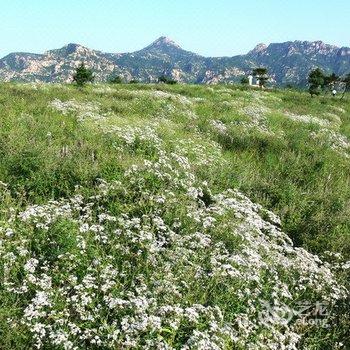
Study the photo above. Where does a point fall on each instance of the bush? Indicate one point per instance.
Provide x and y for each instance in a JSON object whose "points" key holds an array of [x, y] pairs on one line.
{"points": [[115, 79], [166, 80], [244, 81]]}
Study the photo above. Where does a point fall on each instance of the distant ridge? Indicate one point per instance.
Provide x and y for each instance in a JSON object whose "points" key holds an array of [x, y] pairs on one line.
{"points": [[288, 62]]}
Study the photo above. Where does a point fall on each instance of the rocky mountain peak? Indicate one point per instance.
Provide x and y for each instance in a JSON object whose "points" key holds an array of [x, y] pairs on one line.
{"points": [[69, 49], [164, 41], [315, 47], [258, 48]]}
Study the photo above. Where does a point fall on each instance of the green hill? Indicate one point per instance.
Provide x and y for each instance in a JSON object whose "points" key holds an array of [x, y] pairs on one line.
{"points": [[173, 217]]}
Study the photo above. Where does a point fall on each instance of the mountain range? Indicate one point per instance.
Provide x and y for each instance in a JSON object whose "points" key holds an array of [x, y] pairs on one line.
{"points": [[288, 63]]}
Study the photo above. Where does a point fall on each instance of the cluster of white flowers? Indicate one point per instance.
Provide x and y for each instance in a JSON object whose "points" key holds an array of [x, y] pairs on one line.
{"points": [[225, 91], [156, 94], [157, 261], [73, 106], [257, 114], [333, 118], [3, 184], [84, 110], [309, 119], [334, 139], [39, 85], [34, 86], [199, 152], [177, 97], [255, 111], [173, 111], [144, 137], [338, 109], [219, 126], [328, 132]]}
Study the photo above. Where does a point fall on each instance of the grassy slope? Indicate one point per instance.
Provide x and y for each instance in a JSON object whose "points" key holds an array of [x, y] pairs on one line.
{"points": [[282, 149], [301, 179]]}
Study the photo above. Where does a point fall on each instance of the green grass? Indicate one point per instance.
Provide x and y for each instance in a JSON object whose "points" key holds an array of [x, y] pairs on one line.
{"points": [[301, 180], [255, 141]]}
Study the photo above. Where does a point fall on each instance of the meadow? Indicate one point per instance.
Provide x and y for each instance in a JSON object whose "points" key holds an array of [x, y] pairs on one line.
{"points": [[173, 217]]}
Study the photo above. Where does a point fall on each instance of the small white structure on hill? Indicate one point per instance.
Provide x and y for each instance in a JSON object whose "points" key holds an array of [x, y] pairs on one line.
{"points": [[250, 78], [251, 81]]}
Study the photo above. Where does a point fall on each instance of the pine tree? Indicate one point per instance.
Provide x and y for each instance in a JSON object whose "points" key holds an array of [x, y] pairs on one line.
{"points": [[316, 81], [261, 74], [83, 75]]}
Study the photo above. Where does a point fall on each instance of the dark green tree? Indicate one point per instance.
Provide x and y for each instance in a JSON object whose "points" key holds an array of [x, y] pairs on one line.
{"points": [[162, 79], [115, 79], [166, 80], [262, 75], [244, 81], [316, 81], [83, 75], [330, 81], [346, 82]]}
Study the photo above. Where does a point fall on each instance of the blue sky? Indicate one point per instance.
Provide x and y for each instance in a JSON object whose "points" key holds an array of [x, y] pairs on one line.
{"points": [[211, 28]]}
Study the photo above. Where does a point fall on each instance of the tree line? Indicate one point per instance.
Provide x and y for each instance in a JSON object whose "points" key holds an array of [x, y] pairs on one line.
{"points": [[317, 80], [84, 75]]}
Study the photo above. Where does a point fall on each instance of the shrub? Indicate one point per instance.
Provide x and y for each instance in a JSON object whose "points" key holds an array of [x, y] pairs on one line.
{"points": [[244, 81], [166, 80], [115, 79]]}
